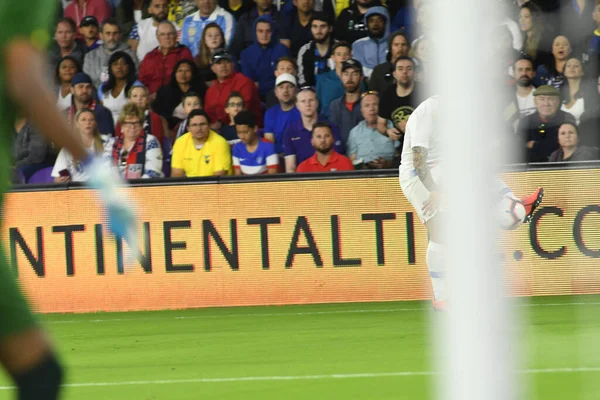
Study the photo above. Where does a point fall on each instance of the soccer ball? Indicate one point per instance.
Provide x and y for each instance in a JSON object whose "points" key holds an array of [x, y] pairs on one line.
{"points": [[512, 213]]}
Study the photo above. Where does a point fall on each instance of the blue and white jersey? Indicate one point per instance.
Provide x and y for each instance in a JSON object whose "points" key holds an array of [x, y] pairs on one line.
{"points": [[193, 26], [258, 162]]}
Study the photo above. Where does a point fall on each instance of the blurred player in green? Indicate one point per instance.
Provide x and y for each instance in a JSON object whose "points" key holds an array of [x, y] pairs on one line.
{"points": [[25, 351]]}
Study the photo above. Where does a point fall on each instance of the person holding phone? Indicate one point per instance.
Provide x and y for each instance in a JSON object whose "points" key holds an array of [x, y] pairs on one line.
{"points": [[66, 168]]}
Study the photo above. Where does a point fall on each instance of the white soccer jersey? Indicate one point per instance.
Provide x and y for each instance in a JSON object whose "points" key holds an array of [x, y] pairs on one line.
{"points": [[421, 131]]}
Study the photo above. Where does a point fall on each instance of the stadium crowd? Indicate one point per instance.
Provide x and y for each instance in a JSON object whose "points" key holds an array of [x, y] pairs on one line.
{"points": [[191, 88]]}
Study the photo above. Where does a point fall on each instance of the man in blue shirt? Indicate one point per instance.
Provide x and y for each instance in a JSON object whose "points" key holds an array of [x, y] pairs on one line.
{"points": [[297, 144], [279, 117]]}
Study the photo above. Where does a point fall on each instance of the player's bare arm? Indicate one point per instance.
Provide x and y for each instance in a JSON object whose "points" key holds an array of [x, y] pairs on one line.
{"points": [[420, 165]]}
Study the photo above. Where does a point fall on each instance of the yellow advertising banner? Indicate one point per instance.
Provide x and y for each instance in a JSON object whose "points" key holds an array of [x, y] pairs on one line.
{"points": [[282, 242]]}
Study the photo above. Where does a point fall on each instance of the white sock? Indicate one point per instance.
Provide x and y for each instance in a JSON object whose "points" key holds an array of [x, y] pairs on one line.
{"points": [[436, 254]]}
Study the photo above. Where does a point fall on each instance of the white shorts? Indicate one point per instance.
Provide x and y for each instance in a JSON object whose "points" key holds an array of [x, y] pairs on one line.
{"points": [[416, 193]]}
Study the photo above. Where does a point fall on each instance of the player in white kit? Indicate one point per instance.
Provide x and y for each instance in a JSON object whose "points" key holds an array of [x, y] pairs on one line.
{"points": [[420, 178]]}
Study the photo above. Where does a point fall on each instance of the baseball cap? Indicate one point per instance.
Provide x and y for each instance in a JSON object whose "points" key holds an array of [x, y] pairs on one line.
{"points": [[546, 90], [286, 78], [81, 77], [89, 20], [221, 55], [352, 63]]}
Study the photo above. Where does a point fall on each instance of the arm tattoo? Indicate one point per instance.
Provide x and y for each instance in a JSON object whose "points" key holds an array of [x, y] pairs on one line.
{"points": [[420, 164]]}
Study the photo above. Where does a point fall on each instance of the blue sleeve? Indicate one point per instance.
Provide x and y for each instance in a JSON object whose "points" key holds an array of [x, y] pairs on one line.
{"points": [[541, 76], [245, 66], [270, 121], [339, 143], [100, 94]]}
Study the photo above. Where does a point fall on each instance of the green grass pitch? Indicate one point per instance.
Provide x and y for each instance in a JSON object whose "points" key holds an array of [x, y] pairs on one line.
{"points": [[336, 351]]}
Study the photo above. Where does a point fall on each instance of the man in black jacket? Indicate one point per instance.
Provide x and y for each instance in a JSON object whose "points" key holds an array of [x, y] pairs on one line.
{"points": [[350, 25], [539, 131]]}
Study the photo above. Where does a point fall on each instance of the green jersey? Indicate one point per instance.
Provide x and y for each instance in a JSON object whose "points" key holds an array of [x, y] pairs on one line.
{"points": [[28, 19]]}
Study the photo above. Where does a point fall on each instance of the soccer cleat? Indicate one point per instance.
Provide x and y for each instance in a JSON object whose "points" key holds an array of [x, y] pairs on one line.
{"points": [[532, 202], [439, 305]]}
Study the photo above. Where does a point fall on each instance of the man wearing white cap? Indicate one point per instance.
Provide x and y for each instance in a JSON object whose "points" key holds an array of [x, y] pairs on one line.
{"points": [[279, 117]]}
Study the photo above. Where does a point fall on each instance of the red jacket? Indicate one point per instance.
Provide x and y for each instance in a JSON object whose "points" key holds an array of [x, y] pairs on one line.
{"points": [[217, 94], [156, 69]]}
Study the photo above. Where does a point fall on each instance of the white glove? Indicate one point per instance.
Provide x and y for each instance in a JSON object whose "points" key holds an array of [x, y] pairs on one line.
{"points": [[121, 218]]}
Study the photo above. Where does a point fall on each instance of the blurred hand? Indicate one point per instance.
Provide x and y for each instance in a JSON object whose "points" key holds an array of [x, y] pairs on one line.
{"points": [[530, 144], [393, 133], [403, 125], [380, 163], [62, 179]]}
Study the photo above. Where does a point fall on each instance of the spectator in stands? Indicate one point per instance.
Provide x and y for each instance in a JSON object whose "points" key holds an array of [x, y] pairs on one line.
{"points": [[237, 8], [285, 65], [65, 71], [66, 169], [79, 9], [419, 52], [324, 158], [228, 80], [32, 151], [297, 145], [96, 61], [89, 29], [154, 124], [281, 116], [134, 154], [313, 57], [180, 9], [589, 124], [130, 12], [570, 149], [382, 76], [552, 72], [258, 61], [535, 37], [157, 67], [244, 30], [201, 151], [65, 43], [524, 74], [193, 25], [329, 84], [593, 49], [398, 102], [577, 94], [121, 77], [366, 144], [345, 111], [371, 51], [185, 78], [143, 37], [190, 101], [350, 25], [252, 155], [82, 89], [539, 131], [212, 41], [296, 27], [577, 23], [235, 104]]}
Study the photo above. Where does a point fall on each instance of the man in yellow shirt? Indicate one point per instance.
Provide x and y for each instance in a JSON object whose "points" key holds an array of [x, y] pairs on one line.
{"points": [[201, 151]]}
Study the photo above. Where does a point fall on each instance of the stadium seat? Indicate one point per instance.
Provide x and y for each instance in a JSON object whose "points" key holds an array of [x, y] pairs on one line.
{"points": [[42, 176]]}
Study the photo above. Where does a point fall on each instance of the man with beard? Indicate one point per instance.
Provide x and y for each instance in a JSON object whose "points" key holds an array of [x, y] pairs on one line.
{"points": [[244, 30], [372, 50], [398, 102], [381, 78], [96, 61], [157, 67], [81, 88], [297, 141], [279, 117], [350, 25], [345, 111], [325, 159], [313, 56], [524, 73], [142, 38]]}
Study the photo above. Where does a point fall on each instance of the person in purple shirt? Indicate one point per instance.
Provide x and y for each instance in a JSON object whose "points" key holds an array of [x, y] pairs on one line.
{"points": [[297, 144]]}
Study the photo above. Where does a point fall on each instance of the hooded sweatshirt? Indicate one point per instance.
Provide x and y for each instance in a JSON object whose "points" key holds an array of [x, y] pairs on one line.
{"points": [[350, 25], [96, 62], [372, 51], [258, 63]]}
